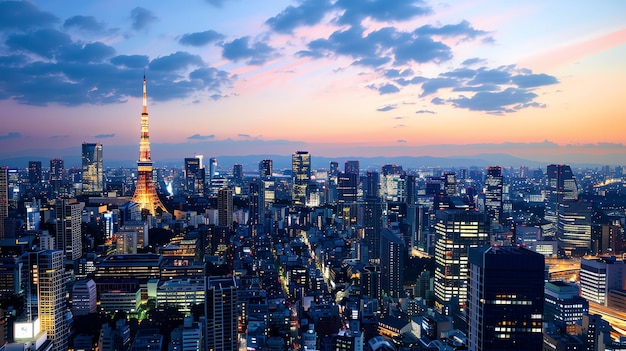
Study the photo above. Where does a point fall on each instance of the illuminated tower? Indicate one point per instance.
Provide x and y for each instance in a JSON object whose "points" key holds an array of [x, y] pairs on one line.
{"points": [[4, 198], [93, 172], [145, 191]]}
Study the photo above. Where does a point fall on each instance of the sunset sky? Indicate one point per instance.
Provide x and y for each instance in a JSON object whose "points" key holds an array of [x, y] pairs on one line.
{"points": [[541, 80]]}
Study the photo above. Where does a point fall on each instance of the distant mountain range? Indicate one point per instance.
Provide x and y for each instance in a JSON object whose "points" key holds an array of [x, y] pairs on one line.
{"points": [[251, 162]]}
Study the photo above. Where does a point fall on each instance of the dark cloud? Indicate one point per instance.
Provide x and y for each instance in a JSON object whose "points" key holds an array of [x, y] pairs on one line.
{"points": [[509, 100], [44, 42], [308, 13], [388, 89], [425, 112], [243, 135], [401, 141], [141, 18], [463, 29], [201, 38], [397, 73], [473, 61], [201, 137], [11, 135], [255, 53], [105, 136], [91, 52], [386, 108], [131, 61], [24, 16], [84, 23], [354, 11], [211, 78], [177, 61], [533, 80], [422, 50], [433, 85]]}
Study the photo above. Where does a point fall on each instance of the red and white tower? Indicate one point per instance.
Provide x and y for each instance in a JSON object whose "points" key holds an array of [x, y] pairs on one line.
{"points": [[145, 191]]}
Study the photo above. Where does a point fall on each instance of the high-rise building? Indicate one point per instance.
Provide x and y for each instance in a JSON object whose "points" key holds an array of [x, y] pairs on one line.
{"points": [[456, 231], [352, 167], [347, 187], [145, 190], [300, 176], [563, 303], [266, 168], [56, 176], [493, 193], [194, 177], [256, 201], [372, 225], [561, 186], [34, 178], [237, 173], [44, 274], [84, 299], [372, 183], [68, 228], [212, 169], [505, 299], [449, 183], [221, 314], [4, 198], [573, 231], [392, 253], [598, 276], [225, 207], [93, 171]]}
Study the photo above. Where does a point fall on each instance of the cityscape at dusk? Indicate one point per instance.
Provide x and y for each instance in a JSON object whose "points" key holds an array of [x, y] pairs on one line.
{"points": [[537, 80], [312, 175]]}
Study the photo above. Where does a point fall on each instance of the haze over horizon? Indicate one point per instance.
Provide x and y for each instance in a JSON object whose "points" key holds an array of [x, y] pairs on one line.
{"points": [[335, 78]]}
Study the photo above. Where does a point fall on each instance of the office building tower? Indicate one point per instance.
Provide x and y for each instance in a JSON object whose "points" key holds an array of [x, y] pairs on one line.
{"points": [[145, 190], [563, 304], [300, 177], [456, 231], [372, 183], [33, 213], [266, 168], [505, 299], [333, 170], [598, 276], [352, 167], [225, 207], [372, 225], [596, 331], [449, 183], [256, 201], [44, 275], [561, 186], [237, 173], [347, 187], [221, 314], [194, 177], [4, 198], [68, 228], [493, 193], [34, 173], [212, 169], [56, 176], [410, 191], [573, 231], [392, 257], [92, 171], [84, 299]]}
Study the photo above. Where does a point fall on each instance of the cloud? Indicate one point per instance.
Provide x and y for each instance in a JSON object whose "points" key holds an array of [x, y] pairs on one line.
{"points": [[24, 16], [399, 117], [44, 42], [216, 3], [387, 108], [201, 38], [104, 136], [509, 100], [401, 141], [84, 23], [179, 60], [473, 61], [308, 13], [201, 137], [255, 53], [131, 61], [141, 18], [533, 80], [11, 135], [243, 135], [90, 52], [388, 89], [463, 29], [354, 11], [425, 112]]}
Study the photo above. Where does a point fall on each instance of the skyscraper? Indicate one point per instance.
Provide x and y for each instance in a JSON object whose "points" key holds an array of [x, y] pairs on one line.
{"points": [[4, 198], [225, 207], [456, 231], [573, 230], [266, 168], [300, 175], [352, 167], [392, 252], [505, 299], [221, 314], [68, 228], [93, 173], [561, 186], [237, 173], [34, 178], [145, 190], [57, 176], [194, 177], [493, 193], [256, 201]]}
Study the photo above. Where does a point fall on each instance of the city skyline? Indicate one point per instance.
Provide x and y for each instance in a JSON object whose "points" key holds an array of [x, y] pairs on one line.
{"points": [[335, 78]]}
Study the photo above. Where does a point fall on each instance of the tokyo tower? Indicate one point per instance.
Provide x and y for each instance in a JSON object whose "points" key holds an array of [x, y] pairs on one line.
{"points": [[145, 191]]}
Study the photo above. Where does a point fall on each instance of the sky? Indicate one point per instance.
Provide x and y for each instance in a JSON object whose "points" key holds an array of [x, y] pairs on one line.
{"points": [[541, 80]]}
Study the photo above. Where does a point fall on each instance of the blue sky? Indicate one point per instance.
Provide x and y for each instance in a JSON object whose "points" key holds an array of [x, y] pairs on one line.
{"points": [[347, 77]]}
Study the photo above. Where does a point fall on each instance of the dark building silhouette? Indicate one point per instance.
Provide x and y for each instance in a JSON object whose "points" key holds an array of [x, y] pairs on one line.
{"points": [[493, 193]]}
